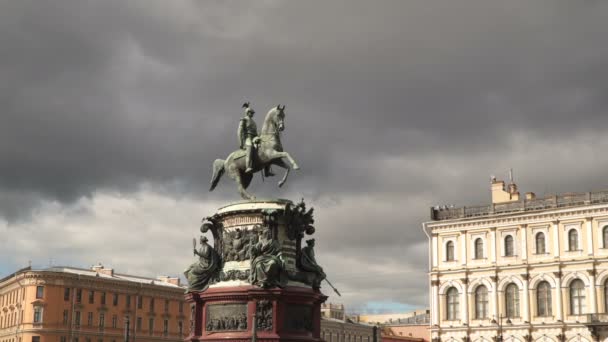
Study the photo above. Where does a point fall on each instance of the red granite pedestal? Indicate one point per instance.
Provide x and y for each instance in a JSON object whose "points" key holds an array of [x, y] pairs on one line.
{"points": [[294, 312]]}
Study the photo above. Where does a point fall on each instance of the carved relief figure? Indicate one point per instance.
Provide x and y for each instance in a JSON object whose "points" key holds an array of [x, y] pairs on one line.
{"points": [[264, 315], [267, 263], [202, 272]]}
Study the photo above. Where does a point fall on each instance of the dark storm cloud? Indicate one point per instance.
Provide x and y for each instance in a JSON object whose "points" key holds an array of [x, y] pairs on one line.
{"points": [[391, 106]]}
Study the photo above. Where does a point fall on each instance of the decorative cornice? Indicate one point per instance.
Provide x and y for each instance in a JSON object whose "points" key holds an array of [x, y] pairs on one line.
{"points": [[519, 218]]}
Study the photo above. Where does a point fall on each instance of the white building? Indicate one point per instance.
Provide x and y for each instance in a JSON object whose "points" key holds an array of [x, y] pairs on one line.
{"points": [[520, 269]]}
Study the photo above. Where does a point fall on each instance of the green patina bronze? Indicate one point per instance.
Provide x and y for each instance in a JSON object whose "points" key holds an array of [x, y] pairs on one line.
{"points": [[257, 152]]}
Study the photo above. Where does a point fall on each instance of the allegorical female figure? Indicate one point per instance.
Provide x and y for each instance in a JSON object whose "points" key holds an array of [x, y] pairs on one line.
{"points": [[267, 263], [309, 263], [200, 273]]}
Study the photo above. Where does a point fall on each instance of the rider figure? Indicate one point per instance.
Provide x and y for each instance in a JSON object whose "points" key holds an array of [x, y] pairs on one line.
{"points": [[248, 135], [249, 139]]}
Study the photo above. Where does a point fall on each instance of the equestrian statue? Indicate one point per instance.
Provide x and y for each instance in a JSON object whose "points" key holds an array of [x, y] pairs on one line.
{"points": [[257, 152]]}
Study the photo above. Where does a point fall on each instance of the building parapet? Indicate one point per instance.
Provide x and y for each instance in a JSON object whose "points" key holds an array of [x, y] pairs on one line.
{"points": [[442, 213]]}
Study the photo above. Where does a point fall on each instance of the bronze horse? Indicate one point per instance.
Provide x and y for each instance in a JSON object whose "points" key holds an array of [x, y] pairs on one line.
{"points": [[269, 152]]}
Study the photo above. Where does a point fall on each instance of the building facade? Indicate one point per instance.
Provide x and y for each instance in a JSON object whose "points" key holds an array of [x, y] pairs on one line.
{"points": [[337, 327], [62, 304], [520, 269]]}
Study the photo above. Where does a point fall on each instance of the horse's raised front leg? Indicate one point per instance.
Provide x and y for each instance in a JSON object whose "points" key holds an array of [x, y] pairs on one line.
{"points": [[276, 154], [281, 163]]}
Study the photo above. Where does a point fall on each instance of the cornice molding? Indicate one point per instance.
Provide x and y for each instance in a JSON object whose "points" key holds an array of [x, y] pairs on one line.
{"points": [[519, 218]]}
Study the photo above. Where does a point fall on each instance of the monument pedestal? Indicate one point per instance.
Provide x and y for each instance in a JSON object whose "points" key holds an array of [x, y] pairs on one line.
{"points": [[260, 292]]}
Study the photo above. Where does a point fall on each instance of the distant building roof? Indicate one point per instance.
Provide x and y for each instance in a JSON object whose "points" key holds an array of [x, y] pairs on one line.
{"points": [[100, 271]]}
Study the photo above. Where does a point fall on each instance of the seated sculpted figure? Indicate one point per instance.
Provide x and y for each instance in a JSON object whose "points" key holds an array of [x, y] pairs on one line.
{"points": [[308, 263], [267, 263], [200, 273]]}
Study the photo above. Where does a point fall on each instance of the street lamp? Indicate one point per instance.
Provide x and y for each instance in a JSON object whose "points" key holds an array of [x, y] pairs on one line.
{"points": [[508, 321]]}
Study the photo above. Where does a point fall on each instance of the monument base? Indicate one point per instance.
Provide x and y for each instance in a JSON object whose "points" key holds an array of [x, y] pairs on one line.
{"points": [[250, 313]]}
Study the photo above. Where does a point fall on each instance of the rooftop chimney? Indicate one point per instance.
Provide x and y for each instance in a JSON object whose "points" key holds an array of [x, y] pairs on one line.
{"points": [[170, 280], [502, 195], [99, 268]]}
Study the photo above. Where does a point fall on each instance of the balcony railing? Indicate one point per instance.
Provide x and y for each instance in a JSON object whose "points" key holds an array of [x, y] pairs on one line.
{"points": [[550, 202]]}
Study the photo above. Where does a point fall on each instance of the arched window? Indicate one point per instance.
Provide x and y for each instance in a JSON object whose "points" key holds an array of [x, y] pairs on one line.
{"points": [[509, 245], [540, 243], [481, 302], [478, 248], [543, 299], [449, 251], [452, 304], [573, 240], [605, 236], [606, 296], [577, 297], [512, 301]]}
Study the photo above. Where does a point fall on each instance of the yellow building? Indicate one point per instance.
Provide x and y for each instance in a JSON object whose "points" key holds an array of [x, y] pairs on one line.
{"points": [[520, 268], [61, 304]]}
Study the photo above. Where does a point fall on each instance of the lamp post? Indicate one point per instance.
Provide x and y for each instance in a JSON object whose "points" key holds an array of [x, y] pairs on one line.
{"points": [[508, 321]]}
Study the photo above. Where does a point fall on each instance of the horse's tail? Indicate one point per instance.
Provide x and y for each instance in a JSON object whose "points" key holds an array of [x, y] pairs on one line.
{"points": [[218, 171]]}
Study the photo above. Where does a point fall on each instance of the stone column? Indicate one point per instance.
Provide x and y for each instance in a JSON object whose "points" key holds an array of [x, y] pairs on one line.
{"points": [[592, 293], [495, 299], [463, 248], [526, 313], [434, 302], [589, 221], [559, 311], [556, 239], [492, 245], [524, 242], [435, 249], [465, 301]]}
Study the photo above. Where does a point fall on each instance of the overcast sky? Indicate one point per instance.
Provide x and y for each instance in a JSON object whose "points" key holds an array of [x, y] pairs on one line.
{"points": [[113, 111]]}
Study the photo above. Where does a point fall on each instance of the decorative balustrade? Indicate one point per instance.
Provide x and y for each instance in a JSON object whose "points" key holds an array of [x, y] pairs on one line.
{"points": [[560, 201]]}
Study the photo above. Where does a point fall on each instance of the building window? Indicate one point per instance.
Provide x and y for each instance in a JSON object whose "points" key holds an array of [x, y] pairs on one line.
{"points": [[606, 296], [66, 294], [543, 299], [180, 328], [35, 338], [181, 307], [573, 240], [91, 297], [577, 297], [138, 325], [140, 302], [166, 328], [90, 319], [77, 319], [509, 245], [481, 302], [452, 304], [449, 251], [151, 326], [605, 236], [102, 320], [115, 299], [39, 292], [78, 295], [151, 304], [103, 298], [540, 243], [166, 305], [65, 316], [128, 300], [63, 339], [512, 301], [38, 314], [478, 248], [114, 321]]}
